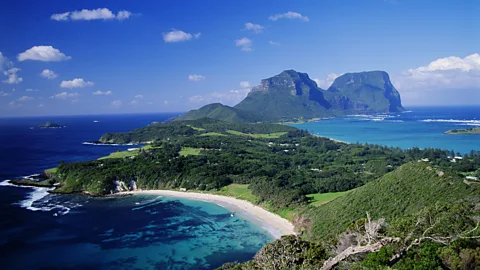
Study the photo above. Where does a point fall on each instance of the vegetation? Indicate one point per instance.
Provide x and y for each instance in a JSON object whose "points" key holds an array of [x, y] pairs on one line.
{"points": [[221, 112], [464, 131], [355, 205]]}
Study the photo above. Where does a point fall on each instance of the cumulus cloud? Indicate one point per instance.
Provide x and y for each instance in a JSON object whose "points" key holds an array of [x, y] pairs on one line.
{"points": [[444, 73], [24, 98], [325, 83], [245, 44], [49, 74], [257, 28], [138, 97], [14, 104], [196, 77], [231, 97], [289, 15], [75, 83], [178, 36], [100, 93], [31, 90], [116, 103], [91, 14], [12, 77], [43, 53], [245, 84], [65, 95]]}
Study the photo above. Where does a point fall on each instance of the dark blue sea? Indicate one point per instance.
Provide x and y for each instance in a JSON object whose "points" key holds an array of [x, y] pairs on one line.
{"points": [[43, 231]]}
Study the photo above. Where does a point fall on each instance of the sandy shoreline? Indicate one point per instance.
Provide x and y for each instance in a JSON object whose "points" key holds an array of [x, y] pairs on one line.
{"points": [[274, 224]]}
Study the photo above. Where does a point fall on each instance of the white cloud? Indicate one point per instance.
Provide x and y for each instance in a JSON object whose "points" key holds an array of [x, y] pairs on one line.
{"points": [[12, 76], [231, 97], [43, 53], [49, 74], [178, 36], [14, 104], [444, 73], [25, 98], [4, 94], [100, 93], [65, 95], [274, 43], [91, 14], [75, 83], [138, 97], [288, 15], [31, 90], [165, 102], [134, 102], [245, 84], [328, 81], [245, 44], [116, 103], [257, 28], [195, 77]]}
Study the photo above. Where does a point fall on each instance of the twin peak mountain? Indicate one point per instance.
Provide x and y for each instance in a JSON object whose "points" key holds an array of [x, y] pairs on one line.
{"points": [[293, 96]]}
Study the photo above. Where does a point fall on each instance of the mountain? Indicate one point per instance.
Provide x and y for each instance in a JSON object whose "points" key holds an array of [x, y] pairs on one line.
{"points": [[287, 96], [365, 92], [292, 95], [221, 112]]}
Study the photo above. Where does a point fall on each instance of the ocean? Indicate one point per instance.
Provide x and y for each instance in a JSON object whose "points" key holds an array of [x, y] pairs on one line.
{"points": [[44, 231], [422, 127]]}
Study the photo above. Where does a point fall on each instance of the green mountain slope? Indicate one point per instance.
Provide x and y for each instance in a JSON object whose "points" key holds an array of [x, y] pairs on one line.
{"points": [[287, 96], [221, 112], [400, 193], [366, 92]]}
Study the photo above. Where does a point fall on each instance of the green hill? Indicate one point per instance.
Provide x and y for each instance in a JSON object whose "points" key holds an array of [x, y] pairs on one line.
{"points": [[400, 193], [221, 112]]}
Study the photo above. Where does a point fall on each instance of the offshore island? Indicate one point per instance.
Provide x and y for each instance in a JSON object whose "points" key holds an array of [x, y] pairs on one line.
{"points": [[464, 131], [357, 206]]}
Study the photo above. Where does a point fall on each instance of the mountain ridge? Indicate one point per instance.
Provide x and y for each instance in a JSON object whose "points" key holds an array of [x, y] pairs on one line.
{"points": [[293, 96]]}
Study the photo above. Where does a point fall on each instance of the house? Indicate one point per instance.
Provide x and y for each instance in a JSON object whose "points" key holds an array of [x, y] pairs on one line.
{"points": [[470, 177], [458, 158], [183, 189], [132, 149]]}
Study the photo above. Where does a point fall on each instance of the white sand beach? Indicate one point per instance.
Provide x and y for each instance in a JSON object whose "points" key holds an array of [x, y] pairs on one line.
{"points": [[274, 224]]}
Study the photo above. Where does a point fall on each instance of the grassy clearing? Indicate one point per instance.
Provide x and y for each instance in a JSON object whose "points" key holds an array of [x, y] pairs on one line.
{"points": [[187, 151], [238, 191], [274, 135], [121, 154], [196, 128], [51, 170], [322, 198], [212, 134]]}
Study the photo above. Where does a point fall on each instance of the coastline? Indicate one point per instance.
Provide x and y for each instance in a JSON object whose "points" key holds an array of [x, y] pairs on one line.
{"points": [[273, 223]]}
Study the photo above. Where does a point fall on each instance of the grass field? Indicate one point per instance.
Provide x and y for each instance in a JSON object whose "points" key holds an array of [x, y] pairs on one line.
{"points": [[196, 128], [258, 136], [212, 134], [187, 151], [321, 198], [121, 154], [52, 170], [238, 191]]}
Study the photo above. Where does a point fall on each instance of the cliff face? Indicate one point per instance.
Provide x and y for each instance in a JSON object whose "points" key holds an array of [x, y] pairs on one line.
{"points": [[369, 92], [287, 95]]}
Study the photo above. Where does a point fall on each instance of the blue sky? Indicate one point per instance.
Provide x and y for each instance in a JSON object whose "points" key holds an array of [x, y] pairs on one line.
{"points": [[171, 56]]}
